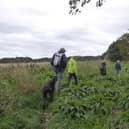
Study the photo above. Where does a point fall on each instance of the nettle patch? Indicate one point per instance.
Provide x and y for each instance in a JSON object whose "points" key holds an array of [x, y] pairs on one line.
{"points": [[99, 104], [77, 101]]}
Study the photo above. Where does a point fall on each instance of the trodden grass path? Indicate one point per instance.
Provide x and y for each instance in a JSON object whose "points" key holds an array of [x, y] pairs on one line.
{"points": [[46, 116]]}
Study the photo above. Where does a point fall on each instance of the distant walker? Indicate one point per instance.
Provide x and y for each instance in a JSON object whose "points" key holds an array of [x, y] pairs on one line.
{"points": [[118, 67], [103, 70]]}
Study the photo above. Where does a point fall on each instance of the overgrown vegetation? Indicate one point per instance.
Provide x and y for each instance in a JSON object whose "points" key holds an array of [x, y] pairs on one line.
{"points": [[96, 103], [20, 95]]}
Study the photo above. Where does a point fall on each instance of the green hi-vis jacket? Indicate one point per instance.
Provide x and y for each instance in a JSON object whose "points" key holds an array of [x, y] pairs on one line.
{"points": [[72, 66]]}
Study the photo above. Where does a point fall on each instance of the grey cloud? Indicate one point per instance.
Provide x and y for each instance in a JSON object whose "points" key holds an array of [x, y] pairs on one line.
{"points": [[34, 12], [81, 37], [76, 34], [31, 48], [40, 38], [11, 28]]}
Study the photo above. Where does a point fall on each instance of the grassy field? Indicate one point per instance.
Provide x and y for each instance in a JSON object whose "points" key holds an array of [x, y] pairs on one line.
{"points": [[96, 103], [20, 95]]}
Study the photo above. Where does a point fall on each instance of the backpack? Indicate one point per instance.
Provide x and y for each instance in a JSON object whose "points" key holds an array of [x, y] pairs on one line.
{"points": [[57, 59]]}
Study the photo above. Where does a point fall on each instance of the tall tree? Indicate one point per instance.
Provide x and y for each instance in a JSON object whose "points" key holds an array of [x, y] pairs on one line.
{"points": [[119, 50]]}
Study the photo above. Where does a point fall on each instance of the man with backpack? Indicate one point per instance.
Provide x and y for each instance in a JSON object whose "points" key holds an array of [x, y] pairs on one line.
{"points": [[59, 62]]}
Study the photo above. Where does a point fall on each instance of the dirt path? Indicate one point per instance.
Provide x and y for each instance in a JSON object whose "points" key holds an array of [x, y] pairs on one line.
{"points": [[46, 117]]}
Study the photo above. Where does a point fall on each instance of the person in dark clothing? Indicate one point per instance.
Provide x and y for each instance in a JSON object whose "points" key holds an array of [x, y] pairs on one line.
{"points": [[59, 63], [118, 67], [103, 70]]}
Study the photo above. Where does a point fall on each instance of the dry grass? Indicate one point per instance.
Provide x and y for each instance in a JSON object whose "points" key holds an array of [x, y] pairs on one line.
{"points": [[6, 65], [90, 66], [23, 74]]}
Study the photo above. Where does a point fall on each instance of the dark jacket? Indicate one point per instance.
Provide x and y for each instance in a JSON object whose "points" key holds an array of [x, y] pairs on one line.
{"points": [[62, 66], [118, 67], [103, 68]]}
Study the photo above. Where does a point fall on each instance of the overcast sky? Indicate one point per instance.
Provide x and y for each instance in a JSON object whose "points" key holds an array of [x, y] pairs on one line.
{"points": [[38, 28]]}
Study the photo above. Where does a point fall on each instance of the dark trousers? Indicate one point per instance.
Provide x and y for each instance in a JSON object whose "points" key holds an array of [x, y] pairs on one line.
{"points": [[70, 76]]}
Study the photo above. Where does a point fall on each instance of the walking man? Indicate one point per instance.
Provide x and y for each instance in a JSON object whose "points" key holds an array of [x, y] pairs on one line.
{"points": [[72, 71], [59, 62], [103, 70], [118, 67]]}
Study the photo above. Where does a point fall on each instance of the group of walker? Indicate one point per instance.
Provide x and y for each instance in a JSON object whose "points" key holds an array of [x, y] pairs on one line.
{"points": [[103, 70], [59, 62]]}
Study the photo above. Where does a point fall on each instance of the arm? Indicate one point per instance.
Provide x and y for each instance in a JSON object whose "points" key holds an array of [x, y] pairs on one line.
{"points": [[120, 67], [52, 59], [64, 61]]}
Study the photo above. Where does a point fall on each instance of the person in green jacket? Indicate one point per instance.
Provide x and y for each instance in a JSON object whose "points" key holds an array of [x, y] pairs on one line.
{"points": [[72, 71]]}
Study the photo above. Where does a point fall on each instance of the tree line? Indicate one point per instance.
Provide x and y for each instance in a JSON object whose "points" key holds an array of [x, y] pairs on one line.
{"points": [[29, 60]]}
